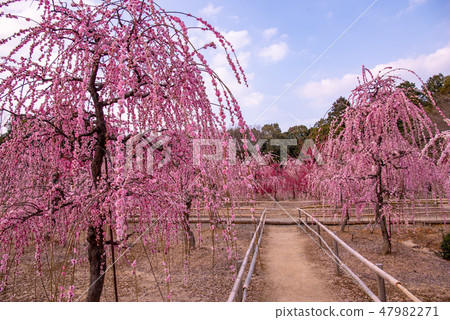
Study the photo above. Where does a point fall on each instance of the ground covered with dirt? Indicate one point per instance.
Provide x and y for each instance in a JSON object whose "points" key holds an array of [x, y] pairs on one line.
{"points": [[292, 267], [415, 262], [287, 269], [203, 278]]}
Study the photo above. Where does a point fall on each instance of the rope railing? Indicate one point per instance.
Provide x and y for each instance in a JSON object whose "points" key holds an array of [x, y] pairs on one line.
{"points": [[380, 272], [239, 291]]}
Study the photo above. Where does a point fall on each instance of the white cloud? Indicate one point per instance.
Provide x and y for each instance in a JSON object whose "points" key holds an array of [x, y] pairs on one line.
{"points": [[424, 65], [412, 4], [251, 99], [220, 59], [275, 52], [210, 10], [244, 59], [247, 97], [9, 26], [238, 39], [321, 94], [269, 33]]}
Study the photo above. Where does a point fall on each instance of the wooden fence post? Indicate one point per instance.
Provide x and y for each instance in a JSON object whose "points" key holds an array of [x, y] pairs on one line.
{"points": [[318, 232], [381, 285], [240, 291], [336, 252]]}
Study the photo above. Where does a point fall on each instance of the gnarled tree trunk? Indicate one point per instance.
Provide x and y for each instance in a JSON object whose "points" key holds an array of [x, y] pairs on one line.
{"points": [[97, 263], [380, 218], [96, 248], [189, 234], [345, 221]]}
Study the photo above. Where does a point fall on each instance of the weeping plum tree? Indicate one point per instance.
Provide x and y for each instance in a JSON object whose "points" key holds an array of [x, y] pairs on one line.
{"points": [[375, 153], [77, 86], [439, 148], [282, 181]]}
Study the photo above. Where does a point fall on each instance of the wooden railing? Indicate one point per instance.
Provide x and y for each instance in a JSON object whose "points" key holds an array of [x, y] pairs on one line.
{"points": [[381, 274], [240, 288]]}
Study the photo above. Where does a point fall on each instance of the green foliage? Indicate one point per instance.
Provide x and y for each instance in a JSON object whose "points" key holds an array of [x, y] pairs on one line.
{"points": [[445, 246], [337, 110], [273, 131], [412, 92], [321, 128], [235, 133], [269, 132], [435, 83], [438, 86], [446, 87], [300, 133]]}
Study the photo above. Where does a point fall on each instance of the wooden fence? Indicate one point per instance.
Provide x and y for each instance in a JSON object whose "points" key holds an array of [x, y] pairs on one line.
{"points": [[240, 288], [382, 276]]}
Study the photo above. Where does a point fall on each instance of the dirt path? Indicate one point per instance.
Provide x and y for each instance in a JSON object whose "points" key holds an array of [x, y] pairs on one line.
{"points": [[287, 270]]}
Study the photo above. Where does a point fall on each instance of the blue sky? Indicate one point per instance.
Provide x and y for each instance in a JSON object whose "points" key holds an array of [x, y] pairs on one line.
{"points": [[278, 40]]}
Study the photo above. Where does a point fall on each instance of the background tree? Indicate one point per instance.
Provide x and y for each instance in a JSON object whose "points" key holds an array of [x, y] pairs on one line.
{"points": [[300, 133], [269, 132], [436, 91], [319, 132], [375, 153], [238, 134], [439, 87]]}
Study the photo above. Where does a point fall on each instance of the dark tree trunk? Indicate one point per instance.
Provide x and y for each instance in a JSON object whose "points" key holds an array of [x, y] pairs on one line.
{"points": [[97, 263], [381, 219], [189, 234], [346, 217], [345, 221], [96, 248], [387, 247]]}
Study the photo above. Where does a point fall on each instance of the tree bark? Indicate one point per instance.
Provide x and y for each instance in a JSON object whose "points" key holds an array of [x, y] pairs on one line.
{"points": [[345, 221], [381, 219], [96, 246], [97, 263], [387, 247], [189, 234]]}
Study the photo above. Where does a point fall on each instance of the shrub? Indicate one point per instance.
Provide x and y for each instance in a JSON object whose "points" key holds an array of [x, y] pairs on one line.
{"points": [[445, 246]]}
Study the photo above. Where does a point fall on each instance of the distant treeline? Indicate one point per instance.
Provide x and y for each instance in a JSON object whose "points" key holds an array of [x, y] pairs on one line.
{"points": [[438, 86]]}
